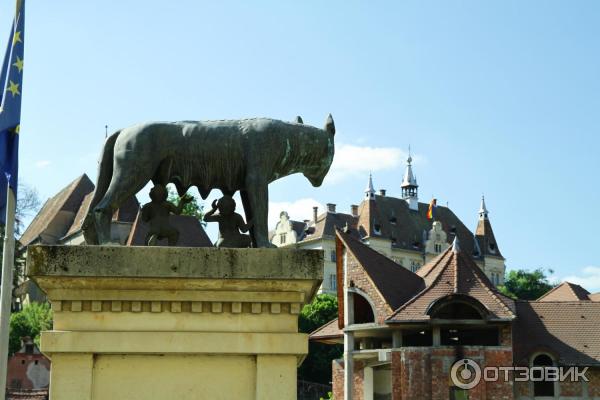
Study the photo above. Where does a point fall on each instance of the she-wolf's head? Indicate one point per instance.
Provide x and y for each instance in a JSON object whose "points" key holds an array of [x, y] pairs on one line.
{"points": [[317, 172]]}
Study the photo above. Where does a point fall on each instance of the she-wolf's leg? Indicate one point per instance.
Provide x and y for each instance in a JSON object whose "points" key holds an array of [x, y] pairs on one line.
{"points": [[122, 186], [249, 216], [258, 202]]}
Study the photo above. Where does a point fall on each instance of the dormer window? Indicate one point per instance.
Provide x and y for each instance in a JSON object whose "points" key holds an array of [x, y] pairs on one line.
{"points": [[393, 220], [492, 247]]}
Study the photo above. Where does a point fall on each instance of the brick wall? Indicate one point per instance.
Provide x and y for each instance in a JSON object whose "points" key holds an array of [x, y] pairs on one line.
{"points": [[424, 372], [337, 367], [593, 374]]}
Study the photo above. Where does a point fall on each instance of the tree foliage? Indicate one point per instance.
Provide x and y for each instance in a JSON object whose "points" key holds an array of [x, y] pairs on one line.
{"points": [[317, 365], [193, 208], [30, 321], [526, 285]]}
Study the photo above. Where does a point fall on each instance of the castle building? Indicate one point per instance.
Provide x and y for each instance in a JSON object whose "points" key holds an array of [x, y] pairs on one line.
{"points": [[425, 334], [396, 227]]}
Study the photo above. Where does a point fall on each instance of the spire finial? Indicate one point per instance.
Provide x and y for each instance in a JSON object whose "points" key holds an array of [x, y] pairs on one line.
{"points": [[409, 160], [483, 212], [456, 245], [370, 191]]}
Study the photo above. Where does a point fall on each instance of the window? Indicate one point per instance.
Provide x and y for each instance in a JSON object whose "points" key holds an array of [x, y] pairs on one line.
{"points": [[438, 248], [542, 388], [414, 265], [332, 256], [332, 282], [469, 336], [377, 229], [282, 238], [363, 313]]}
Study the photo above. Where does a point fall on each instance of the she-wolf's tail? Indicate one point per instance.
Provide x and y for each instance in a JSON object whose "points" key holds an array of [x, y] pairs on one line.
{"points": [[105, 170]]}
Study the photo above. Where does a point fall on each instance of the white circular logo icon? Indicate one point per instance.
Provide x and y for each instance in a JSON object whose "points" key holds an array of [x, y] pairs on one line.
{"points": [[465, 374]]}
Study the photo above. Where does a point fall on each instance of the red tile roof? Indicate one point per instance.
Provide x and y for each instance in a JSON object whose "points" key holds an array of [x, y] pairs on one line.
{"points": [[328, 333], [566, 291], [68, 200], [454, 273], [566, 329]]}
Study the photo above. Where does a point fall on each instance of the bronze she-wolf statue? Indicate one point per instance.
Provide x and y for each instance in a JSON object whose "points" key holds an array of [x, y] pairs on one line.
{"points": [[244, 155]]}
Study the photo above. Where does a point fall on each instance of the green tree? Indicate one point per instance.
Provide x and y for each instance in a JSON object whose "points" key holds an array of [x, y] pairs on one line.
{"points": [[317, 365], [193, 208], [30, 321], [526, 285]]}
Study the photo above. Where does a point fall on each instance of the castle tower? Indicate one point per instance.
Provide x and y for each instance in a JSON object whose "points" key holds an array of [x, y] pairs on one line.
{"points": [[488, 247], [410, 188]]}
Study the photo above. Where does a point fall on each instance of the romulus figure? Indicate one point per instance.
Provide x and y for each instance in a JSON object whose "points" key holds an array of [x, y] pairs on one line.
{"points": [[156, 214], [230, 223]]}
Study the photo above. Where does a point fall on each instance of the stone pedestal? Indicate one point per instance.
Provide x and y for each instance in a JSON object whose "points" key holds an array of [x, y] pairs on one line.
{"points": [[174, 323]]}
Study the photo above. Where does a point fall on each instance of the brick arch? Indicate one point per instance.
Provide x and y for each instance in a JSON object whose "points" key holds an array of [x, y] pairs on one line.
{"points": [[362, 295], [468, 303]]}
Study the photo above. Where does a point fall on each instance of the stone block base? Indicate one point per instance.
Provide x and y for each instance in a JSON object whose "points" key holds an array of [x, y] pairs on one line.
{"points": [[174, 323]]}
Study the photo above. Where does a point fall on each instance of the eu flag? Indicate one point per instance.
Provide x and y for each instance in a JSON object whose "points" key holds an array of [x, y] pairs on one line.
{"points": [[11, 80]]}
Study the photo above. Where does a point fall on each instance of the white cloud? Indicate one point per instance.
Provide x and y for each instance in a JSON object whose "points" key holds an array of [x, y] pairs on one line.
{"points": [[42, 163], [298, 210], [351, 161], [589, 278]]}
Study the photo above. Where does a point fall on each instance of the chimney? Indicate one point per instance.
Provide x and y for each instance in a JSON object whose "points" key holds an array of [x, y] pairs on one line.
{"points": [[354, 210], [330, 207], [315, 213], [382, 192]]}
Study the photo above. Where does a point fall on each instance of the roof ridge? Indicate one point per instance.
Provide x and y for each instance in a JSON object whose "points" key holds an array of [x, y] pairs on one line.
{"points": [[419, 294], [339, 234], [490, 291]]}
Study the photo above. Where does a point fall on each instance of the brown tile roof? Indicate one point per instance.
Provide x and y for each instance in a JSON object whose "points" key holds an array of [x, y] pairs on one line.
{"points": [[395, 283], [191, 233], [327, 333], [68, 199], [407, 227], [454, 273], [327, 223], [486, 239], [566, 291], [81, 214], [566, 329]]}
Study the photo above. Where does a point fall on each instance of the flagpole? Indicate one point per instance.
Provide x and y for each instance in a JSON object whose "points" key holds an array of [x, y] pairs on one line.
{"points": [[6, 288]]}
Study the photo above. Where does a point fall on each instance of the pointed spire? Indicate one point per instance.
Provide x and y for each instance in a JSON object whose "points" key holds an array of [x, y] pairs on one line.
{"points": [[409, 178], [483, 212], [456, 245], [370, 191], [410, 188]]}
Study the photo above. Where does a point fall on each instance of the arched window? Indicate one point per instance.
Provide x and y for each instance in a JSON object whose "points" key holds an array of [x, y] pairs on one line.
{"points": [[541, 387], [457, 307], [363, 312]]}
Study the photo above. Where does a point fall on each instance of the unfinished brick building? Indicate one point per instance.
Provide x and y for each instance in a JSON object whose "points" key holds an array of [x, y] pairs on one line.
{"points": [[403, 331]]}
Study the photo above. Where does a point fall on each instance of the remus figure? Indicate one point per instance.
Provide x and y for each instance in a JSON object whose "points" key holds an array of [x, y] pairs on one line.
{"points": [[230, 223], [156, 214]]}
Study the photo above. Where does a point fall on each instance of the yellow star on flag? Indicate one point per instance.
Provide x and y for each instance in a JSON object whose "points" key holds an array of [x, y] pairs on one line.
{"points": [[17, 129], [17, 38], [13, 88], [19, 64]]}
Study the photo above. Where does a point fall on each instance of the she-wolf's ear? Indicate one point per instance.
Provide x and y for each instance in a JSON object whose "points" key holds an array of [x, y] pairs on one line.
{"points": [[298, 120], [329, 125]]}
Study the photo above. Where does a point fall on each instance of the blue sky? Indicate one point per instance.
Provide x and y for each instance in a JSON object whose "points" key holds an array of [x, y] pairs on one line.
{"points": [[500, 98]]}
